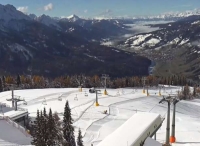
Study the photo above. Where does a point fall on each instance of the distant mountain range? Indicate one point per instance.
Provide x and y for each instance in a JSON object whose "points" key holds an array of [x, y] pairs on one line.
{"points": [[176, 42], [181, 32], [52, 46]]}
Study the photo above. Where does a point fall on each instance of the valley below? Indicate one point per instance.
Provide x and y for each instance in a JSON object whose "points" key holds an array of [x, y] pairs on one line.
{"points": [[169, 45]]}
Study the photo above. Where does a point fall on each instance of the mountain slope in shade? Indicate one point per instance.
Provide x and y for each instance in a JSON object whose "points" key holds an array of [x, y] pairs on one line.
{"points": [[175, 47], [9, 12], [51, 51]]}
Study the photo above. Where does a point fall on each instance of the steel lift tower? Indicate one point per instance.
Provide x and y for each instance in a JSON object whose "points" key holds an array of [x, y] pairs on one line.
{"points": [[15, 100], [168, 100], [172, 137], [105, 77]]}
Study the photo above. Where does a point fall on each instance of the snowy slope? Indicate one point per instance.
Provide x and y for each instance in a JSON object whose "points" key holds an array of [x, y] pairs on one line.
{"points": [[121, 104], [73, 18]]}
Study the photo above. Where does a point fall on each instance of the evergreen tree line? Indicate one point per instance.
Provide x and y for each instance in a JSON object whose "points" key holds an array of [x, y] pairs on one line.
{"points": [[189, 93], [31, 82], [49, 131]]}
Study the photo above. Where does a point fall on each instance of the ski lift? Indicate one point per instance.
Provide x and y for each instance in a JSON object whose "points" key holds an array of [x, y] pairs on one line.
{"points": [[60, 98], [122, 91], [92, 90], [105, 112], [44, 102], [118, 93], [86, 94], [76, 98], [24, 102]]}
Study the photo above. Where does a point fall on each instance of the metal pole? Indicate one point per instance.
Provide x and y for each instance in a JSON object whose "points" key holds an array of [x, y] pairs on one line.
{"points": [[96, 97], [105, 83], [173, 138], [12, 97], [97, 104], [15, 105], [155, 136], [168, 124]]}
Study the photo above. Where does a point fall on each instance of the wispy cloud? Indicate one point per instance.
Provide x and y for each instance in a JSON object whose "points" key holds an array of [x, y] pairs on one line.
{"points": [[106, 12], [48, 7], [85, 11], [23, 9]]}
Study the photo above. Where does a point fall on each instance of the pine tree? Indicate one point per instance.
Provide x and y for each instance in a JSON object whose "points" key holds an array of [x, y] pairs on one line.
{"points": [[18, 80], [4, 81], [186, 92], [44, 120], [59, 135], [68, 129], [194, 91], [37, 133], [51, 130], [1, 85], [42, 128], [79, 138]]}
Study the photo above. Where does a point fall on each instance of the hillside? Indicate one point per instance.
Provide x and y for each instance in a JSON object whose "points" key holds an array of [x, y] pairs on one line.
{"points": [[46, 46], [175, 43], [121, 103]]}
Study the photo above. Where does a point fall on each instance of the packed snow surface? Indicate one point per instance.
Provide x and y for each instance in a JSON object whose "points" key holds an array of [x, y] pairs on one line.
{"points": [[121, 104], [130, 132]]}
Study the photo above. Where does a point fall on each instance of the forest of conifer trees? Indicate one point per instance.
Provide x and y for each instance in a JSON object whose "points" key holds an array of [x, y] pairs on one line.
{"points": [[32, 82]]}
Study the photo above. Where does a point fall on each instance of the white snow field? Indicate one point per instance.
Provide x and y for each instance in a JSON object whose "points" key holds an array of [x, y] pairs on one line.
{"points": [[121, 104], [142, 122]]}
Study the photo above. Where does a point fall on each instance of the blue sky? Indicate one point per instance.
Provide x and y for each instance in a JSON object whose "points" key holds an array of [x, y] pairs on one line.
{"points": [[93, 8]]}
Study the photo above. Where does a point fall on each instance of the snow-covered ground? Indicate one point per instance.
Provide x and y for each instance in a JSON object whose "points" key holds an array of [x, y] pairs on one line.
{"points": [[121, 104]]}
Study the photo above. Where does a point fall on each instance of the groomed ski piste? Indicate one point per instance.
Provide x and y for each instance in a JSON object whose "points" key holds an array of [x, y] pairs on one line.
{"points": [[121, 104]]}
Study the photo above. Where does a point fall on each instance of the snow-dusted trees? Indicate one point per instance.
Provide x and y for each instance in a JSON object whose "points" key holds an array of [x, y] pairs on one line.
{"points": [[186, 92], [79, 138], [194, 91], [59, 135], [45, 130], [51, 130], [37, 134], [68, 129]]}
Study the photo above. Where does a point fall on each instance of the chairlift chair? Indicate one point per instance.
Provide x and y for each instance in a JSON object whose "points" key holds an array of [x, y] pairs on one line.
{"points": [[76, 98], [59, 98], [44, 102], [24, 102]]}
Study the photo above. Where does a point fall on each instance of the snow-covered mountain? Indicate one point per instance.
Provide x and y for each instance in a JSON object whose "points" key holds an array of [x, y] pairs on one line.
{"points": [[177, 14], [170, 16], [48, 44], [185, 31], [73, 18]]}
